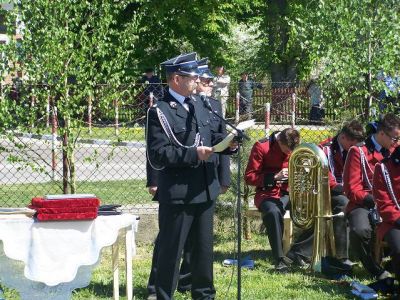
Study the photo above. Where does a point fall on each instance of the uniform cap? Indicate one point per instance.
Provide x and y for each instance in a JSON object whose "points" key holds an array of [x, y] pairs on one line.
{"points": [[184, 64], [203, 68]]}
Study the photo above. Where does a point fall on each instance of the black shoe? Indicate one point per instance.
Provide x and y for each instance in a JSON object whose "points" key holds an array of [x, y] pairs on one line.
{"points": [[287, 261], [298, 260], [383, 275], [347, 262], [281, 267], [152, 297]]}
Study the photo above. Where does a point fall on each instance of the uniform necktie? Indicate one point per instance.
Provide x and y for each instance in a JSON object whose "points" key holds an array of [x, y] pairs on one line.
{"points": [[190, 105], [344, 155], [385, 152]]}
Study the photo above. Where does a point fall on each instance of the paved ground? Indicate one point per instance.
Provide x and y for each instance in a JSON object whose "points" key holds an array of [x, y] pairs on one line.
{"points": [[30, 161]]}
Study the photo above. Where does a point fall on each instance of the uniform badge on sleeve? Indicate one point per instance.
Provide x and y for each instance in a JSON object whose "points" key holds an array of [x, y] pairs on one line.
{"points": [[172, 104]]}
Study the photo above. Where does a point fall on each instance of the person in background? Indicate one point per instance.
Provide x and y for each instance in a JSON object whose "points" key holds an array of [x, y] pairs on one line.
{"points": [[151, 84], [267, 170], [246, 90], [357, 184], [317, 112], [220, 89]]}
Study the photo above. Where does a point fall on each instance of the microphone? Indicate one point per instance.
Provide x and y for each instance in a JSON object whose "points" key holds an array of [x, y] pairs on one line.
{"points": [[205, 100]]}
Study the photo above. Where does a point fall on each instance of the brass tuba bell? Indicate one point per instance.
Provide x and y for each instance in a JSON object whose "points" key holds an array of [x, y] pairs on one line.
{"points": [[311, 200]]}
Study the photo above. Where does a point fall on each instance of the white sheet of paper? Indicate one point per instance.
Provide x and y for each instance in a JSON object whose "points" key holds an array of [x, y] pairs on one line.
{"points": [[221, 146]]}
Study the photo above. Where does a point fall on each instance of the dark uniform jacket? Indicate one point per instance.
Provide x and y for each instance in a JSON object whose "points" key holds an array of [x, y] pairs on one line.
{"points": [[385, 204], [266, 159], [355, 184], [224, 173], [336, 160], [184, 179]]}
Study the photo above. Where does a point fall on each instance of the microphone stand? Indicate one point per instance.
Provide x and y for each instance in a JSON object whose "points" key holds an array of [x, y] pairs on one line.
{"points": [[240, 136]]}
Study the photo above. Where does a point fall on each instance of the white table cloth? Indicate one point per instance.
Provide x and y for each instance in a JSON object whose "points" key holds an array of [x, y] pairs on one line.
{"points": [[54, 258]]}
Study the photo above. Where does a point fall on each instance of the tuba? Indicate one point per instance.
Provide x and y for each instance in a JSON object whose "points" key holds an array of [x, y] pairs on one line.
{"points": [[310, 199]]}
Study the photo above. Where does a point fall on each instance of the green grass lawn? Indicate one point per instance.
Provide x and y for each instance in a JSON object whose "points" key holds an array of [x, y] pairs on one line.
{"points": [[121, 192], [258, 284]]}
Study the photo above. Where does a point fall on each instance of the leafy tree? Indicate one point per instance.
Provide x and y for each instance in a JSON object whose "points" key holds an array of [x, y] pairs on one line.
{"points": [[346, 44], [68, 48]]}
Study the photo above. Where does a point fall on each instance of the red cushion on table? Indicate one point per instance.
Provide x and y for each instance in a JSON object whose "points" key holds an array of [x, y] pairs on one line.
{"points": [[66, 216], [70, 202]]}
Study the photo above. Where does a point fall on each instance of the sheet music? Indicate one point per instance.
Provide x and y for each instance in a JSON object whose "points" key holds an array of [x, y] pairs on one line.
{"points": [[221, 146]]}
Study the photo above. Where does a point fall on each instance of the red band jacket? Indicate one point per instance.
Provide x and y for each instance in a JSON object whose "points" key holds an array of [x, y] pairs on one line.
{"points": [[266, 159], [383, 199], [332, 151], [357, 181]]}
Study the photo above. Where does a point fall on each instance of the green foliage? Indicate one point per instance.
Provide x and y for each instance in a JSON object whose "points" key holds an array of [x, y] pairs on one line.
{"points": [[346, 44]]}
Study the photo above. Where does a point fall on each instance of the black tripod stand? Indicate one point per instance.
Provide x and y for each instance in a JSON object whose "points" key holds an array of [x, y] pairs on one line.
{"points": [[240, 136]]}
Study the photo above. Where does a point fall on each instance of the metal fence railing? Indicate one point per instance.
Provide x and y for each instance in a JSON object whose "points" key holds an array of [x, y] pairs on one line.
{"points": [[109, 156]]}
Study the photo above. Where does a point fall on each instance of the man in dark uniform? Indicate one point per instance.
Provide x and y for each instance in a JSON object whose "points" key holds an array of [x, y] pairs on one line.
{"points": [[267, 170], [246, 89], [357, 183], [336, 150], [386, 191], [179, 145], [185, 275]]}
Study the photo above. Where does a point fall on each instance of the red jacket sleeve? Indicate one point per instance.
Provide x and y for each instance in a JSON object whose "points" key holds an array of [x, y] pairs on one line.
{"points": [[352, 177], [384, 202], [254, 174]]}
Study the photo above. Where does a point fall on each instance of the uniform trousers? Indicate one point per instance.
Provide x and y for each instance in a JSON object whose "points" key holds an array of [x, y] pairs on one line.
{"points": [[185, 275], [303, 246], [392, 237], [177, 223], [362, 237], [273, 210]]}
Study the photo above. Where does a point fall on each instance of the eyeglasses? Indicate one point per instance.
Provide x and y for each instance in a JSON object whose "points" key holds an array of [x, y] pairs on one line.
{"points": [[394, 139]]}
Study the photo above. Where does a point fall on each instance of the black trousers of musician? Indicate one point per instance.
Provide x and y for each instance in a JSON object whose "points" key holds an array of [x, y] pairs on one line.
{"points": [[362, 236], [273, 211], [392, 237], [177, 223], [185, 274], [303, 246]]}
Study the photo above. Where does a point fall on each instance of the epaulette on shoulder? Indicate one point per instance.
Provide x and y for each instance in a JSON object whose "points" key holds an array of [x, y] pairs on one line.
{"points": [[326, 144], [264, 140], [360, 144]]}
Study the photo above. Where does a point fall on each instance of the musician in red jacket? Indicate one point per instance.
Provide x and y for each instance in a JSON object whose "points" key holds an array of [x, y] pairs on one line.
{"points": [[336, 150], [357, 183], [386, 191], [267, 169]]}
